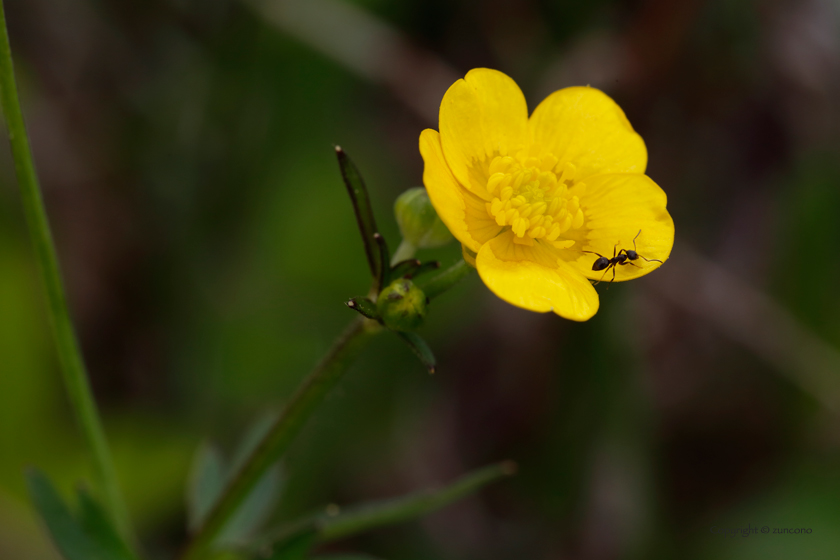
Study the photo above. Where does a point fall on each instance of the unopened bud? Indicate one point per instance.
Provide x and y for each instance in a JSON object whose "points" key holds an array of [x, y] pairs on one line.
{"points": [[402, 305], [418, 221]]}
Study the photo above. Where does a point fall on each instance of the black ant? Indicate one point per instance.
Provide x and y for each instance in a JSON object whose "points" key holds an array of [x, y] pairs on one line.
{"points": [[623, 258]]}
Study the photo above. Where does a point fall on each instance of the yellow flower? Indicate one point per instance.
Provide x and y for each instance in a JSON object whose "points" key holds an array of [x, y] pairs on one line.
{"points": [[527, 197]]}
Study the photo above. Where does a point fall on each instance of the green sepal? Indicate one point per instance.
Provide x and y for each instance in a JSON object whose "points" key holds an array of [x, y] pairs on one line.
{"points": [[364, 213], [91, 537], [420, 348], [405, 269], [365, 307], [418, 222], [402, 306]]}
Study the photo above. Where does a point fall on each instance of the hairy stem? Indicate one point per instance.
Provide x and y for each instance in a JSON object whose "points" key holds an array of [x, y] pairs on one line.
{"points": [[72, 364]]}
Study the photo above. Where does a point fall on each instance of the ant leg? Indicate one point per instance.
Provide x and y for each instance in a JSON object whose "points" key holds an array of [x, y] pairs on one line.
{"points": [[613, 276], [604, 274]]}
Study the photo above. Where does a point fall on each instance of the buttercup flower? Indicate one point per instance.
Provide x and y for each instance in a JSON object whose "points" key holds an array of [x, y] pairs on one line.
{"points": [[527, 197]]}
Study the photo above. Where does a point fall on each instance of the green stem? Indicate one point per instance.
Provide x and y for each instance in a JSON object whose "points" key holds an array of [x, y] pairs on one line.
{"points": [[439, 283], [389, 512], [404, 252], [300, 407], [72, 365]]}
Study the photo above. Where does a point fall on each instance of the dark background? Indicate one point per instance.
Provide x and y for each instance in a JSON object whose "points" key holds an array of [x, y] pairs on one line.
{"points": [[185, 149]]}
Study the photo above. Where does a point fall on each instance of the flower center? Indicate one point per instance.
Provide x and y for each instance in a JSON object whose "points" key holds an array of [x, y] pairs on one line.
{"points": [[533, 199]]}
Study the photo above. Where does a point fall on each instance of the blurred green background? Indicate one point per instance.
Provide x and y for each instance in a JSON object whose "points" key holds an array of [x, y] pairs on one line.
{"points": [[185, 149]]}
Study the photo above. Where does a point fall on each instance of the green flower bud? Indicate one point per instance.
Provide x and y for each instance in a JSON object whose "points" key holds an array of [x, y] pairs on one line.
{"points": [[418, 221], [402, 305]]}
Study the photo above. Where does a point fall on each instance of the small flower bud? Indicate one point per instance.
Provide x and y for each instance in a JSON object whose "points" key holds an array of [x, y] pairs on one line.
{"points": [[402, 305], [418, 221]]}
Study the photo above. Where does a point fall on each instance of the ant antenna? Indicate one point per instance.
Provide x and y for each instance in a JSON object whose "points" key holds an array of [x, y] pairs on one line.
{"points": [[637, 252], [651, 260], [592, 253]]}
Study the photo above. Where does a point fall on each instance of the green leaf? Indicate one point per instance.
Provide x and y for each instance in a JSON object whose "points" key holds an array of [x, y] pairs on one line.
{"points": [[263, 497], [209, 476], [330, 526], [365, 307], [364, 213], [345, 557], [420, 349], [96, 523], [254, 434], [388, 512], [228, 555], [296, 547], [254, 510], [205, 484], [72, 541]]}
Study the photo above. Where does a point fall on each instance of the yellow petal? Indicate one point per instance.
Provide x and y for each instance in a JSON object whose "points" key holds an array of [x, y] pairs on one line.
{"points": [[618, 207], [535, 279], [463, 213], [582, 125], [481, 116]]}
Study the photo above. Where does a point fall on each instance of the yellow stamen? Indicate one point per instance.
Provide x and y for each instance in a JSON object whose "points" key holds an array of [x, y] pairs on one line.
{"points": [[533, 197]]}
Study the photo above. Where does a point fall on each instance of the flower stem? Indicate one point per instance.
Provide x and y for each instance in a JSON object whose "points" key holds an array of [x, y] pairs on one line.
{"points": [[300, 407], [72, 364], [404, 252], [439, 283]]}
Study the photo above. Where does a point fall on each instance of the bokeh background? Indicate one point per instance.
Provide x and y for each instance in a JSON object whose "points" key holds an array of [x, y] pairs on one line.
{"points": [[185, 149]]}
